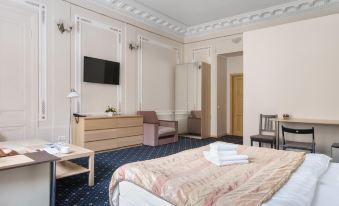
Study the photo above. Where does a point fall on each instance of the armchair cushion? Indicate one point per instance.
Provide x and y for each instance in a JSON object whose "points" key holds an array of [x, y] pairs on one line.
{"points": [[196, 114], [150, 117], [165, 131]]}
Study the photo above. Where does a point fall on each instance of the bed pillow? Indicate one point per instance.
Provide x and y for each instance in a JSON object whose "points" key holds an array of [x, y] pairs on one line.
{"points": [[316, 163], [300, 188]]}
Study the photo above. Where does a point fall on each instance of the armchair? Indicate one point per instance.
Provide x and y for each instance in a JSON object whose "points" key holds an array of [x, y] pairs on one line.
{"points": [[158, 132], [194, 123]]}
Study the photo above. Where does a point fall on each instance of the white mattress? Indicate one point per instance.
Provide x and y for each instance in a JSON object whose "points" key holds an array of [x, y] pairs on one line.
{"points": [[326, 193]]}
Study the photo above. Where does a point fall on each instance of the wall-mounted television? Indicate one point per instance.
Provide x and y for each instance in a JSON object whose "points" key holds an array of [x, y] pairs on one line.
{"points": [[101, 71]]}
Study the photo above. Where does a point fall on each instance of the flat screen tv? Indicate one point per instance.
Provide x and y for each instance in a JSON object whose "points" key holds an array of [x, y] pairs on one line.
{"points": [[101, 71]]}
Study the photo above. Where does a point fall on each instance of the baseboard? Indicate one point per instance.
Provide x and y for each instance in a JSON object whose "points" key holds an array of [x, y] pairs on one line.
{"points": [[221, 135]]}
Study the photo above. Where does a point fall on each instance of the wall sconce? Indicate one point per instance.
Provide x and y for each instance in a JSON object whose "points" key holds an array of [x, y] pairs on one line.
{"points": [[133, 45], [63, 27]]}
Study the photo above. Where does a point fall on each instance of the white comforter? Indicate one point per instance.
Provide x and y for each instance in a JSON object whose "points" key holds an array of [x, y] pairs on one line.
{"points": [[301, 187], [298, 191]]}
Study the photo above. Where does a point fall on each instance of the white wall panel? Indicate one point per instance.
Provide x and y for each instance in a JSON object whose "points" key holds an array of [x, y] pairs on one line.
{"points": [[158, 77], [60, 74], [18, 81], [96, 97]]}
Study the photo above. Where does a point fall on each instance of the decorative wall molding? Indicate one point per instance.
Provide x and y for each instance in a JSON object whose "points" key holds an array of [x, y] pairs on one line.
{"points": [[264, 14], [42, 57], [143, 14], [153, 18], [142, 40], [201, 49], [79, 61], [42, 63]]}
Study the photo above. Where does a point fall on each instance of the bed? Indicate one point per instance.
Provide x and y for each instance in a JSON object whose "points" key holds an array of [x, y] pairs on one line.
{"points": [[273, 177]]}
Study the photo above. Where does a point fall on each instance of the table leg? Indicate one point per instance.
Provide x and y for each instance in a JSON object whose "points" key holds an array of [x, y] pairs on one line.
{"points": [[53, 183], [91, 170]]}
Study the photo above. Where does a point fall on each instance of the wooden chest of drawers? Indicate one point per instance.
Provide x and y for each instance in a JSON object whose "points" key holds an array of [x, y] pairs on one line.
{"points": [[106, 133]]}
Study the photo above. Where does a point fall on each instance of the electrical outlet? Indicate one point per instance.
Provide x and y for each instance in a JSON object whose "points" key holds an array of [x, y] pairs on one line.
{"points": [[63, 139]]}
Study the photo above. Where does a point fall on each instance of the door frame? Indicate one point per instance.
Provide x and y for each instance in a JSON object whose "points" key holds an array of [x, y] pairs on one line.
{"points": [[231, 98]]}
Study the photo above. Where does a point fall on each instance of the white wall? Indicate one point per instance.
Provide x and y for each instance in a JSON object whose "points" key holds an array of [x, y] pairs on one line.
{"points": [[62, 56], [293, 68]]}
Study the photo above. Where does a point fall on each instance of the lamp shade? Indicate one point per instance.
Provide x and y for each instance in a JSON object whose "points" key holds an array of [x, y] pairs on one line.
{"points": [[73, 94]]}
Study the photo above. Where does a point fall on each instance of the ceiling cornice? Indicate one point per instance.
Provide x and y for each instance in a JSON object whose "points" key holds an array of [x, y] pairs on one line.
{"points": [[152, 18]]}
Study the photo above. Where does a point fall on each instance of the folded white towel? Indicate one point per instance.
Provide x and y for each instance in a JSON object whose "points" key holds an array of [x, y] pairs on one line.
{"points": [[216, 153], [223, 146], [209, 155], [223, 163]]}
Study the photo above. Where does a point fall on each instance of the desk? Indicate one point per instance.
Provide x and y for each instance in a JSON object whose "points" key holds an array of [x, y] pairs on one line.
{"points": [[303, 121], [16, 173], [64, 167]]}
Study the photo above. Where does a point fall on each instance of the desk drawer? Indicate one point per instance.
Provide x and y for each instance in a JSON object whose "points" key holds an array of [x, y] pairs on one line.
{"points": [[94, 124], [114, 143], [95, 135]]}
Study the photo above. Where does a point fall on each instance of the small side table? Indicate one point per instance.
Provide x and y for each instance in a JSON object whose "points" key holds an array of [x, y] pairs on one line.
{"points": [[66, 168]]}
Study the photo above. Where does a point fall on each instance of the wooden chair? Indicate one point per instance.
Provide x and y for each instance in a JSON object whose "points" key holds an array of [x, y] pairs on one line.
{"points": [[266, 125], [309, 146]]}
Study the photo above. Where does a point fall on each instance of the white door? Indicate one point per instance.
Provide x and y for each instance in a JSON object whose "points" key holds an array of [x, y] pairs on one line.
{"points": [[18, 70]]}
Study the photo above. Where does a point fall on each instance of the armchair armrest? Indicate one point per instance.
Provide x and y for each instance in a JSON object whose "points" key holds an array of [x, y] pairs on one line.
{"points": [[190, 117], [151, 127], [168, 123], [151, 134]]}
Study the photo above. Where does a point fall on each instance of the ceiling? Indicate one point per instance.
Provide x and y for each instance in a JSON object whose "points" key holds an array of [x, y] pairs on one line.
{"points": [[195, 17], [194, 12]]}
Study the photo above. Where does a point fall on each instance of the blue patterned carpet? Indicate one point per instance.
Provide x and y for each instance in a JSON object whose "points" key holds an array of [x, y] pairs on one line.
{"points": [[74, 191]]}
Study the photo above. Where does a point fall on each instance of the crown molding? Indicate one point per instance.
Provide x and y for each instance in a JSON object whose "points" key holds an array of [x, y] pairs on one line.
{"points": [[155, 19], [138, 12], [288, 9]]}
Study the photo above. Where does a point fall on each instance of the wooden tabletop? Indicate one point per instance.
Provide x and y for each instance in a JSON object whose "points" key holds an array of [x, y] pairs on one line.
{"points": [[28, 159], [75, 152], [309, 121], [109, 117], [30, 148]]}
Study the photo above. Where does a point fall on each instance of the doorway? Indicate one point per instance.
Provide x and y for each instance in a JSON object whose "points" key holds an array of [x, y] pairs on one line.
{"points": [[228, 65], [237, 100]]}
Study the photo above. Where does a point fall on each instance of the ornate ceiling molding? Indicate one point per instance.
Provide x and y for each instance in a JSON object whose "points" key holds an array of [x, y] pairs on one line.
{"points": [[150, 17]]}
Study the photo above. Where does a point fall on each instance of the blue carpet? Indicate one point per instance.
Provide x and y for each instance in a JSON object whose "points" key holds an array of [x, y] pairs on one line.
{"points": [[74, 191]]}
